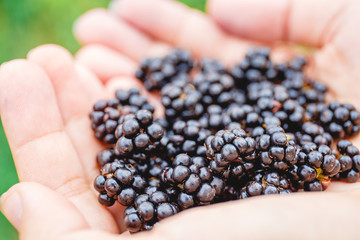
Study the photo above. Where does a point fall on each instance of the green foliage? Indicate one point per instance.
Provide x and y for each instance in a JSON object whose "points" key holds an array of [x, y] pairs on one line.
{"points": [[26, 24]]}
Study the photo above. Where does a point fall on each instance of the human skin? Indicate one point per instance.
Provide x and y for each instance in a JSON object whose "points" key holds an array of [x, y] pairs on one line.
{"points": [[45, 100]]}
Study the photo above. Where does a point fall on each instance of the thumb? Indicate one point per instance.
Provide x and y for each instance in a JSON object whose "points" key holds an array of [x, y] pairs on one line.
{"points": [[40, 213], [302, 21]]}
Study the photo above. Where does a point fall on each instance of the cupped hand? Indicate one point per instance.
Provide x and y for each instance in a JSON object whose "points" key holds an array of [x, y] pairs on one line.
{"points": [[45, 101]]}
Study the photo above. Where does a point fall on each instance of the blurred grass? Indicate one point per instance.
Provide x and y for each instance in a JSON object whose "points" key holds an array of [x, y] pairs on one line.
{"points": [[25, 24]]}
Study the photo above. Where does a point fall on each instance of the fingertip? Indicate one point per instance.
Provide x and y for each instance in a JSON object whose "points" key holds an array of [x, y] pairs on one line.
{"points": [[83, 25], [105, 62], [259, 20], [123, 8], [55, 60], [48, 52], [13, 74]]}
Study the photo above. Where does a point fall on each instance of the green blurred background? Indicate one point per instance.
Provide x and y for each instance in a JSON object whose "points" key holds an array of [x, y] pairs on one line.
{"points": [[25, 24]]}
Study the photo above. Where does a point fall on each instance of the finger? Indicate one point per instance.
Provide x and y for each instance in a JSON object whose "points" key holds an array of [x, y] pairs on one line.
{"points": [[41, 148], [40, 213], [75, 104], [99, 26], [105, 62], [300, 21], [28, 138], [297, 216], [173, 23]]}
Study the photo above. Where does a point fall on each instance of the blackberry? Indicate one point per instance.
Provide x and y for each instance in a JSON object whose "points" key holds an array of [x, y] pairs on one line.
{"points": [[138, 135], [105, 156], [104, 120], [257, 93], [266, 183], [215, 88], [186, 137], [157, 72], [209, 65], [231, 153], [311, 132], [291, 115], [349, 159], [276, 149], [181, 100], [256, 67], [316, 165], [119, 180], [106, 114], [244, 116], [339, 120], [258, 128], [148, 210], [195, 180]]}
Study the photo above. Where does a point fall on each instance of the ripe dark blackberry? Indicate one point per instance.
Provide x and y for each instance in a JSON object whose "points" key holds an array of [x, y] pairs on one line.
{"points": [[231, 153], [104, 120], [316, 164], [266, 183], [245, 116], [181, 100], [257, 93], [338, 119], [276, 149], [105, 156], [256, 67], [195, 180], [349, 159], [291, 115], [215, 88], [106, 114], [304, 90], [208, 65], [157, 72], [311, 132], [138, 135], [119, 181], [186, 137], [148, 210]]}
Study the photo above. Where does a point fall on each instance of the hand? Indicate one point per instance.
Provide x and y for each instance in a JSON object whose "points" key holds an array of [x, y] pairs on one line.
{"points": [[45, 100]]}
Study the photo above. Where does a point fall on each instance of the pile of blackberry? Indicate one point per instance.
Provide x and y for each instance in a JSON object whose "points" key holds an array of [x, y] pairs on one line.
{"points": [[257, 128]]}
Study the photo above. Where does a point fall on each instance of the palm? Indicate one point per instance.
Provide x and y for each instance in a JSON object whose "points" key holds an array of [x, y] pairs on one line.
{"points": [[48, 127]]}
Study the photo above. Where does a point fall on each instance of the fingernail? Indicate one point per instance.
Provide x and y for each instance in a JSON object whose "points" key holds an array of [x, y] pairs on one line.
{"points": [[11, 207]]}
